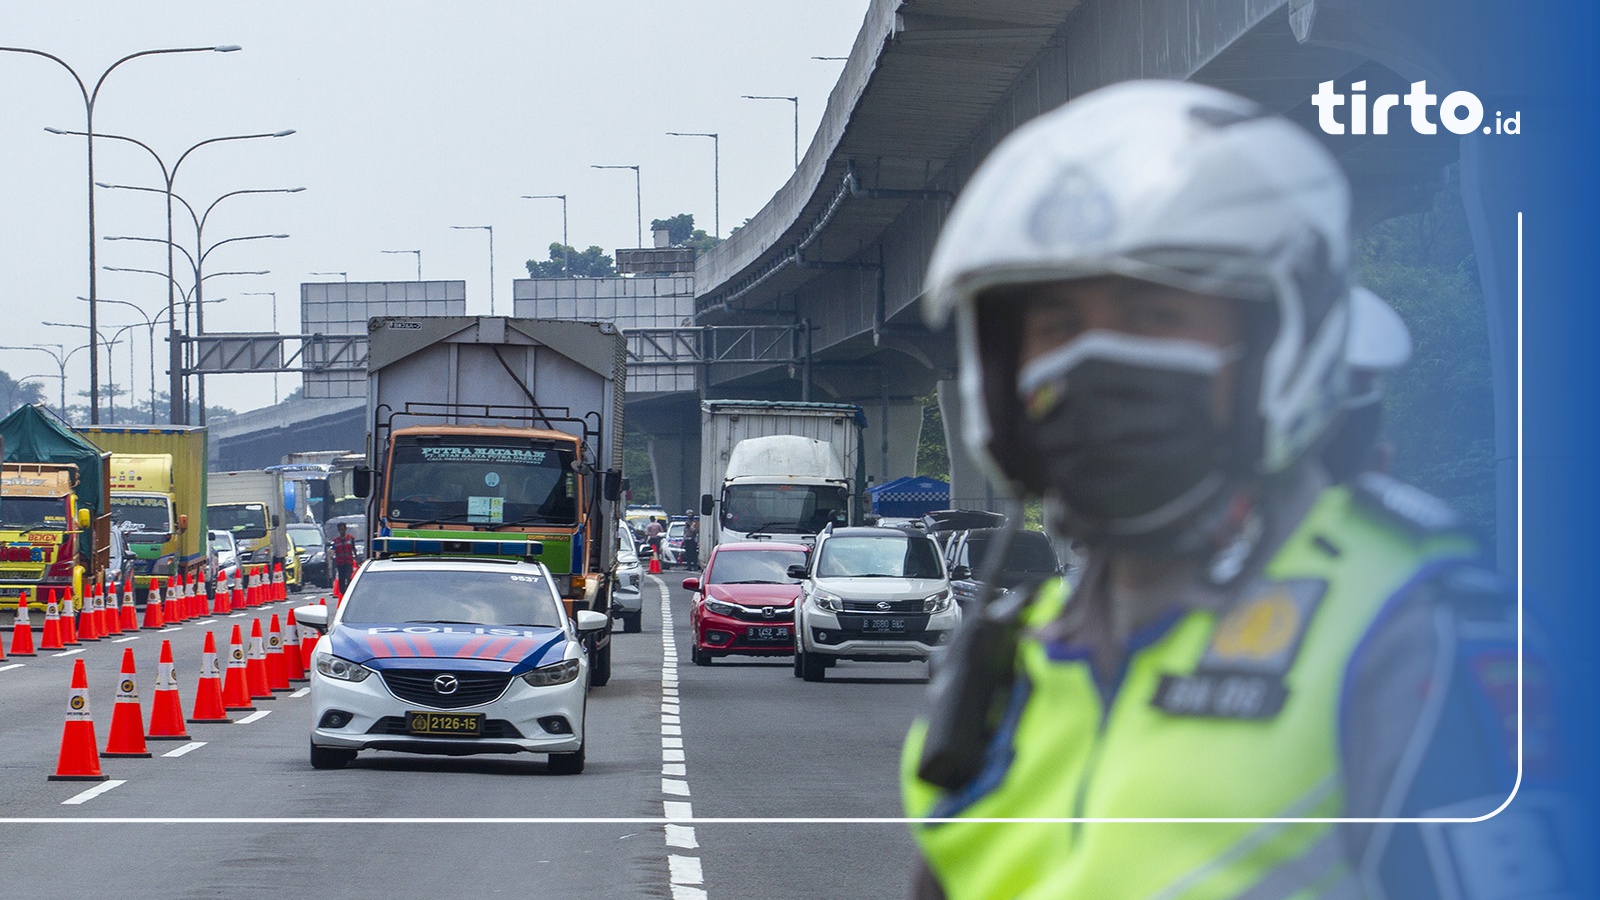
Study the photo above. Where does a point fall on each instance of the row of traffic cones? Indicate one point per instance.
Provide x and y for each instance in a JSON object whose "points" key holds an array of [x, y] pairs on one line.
{"points": [[270, 665]]}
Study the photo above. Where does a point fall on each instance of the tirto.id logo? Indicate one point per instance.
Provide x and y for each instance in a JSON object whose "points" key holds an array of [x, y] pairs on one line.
{"points": [[1460, 112]]}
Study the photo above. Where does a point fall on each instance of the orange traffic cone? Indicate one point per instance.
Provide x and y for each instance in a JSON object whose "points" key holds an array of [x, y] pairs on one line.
{"points": [[127, 717], [201, 601], [130, 614], [238, 592], [655, 564], [169, 605], [291, 649], [22, 630], [113, 610], [208, 695], [277, 666], [88, 628], [278, 584], [220, 605], [98, 600], [255, 668], [153, 619], [79, 759], [69, 624], [51, 639], [166, 710], [236, 686], [308, 641]]}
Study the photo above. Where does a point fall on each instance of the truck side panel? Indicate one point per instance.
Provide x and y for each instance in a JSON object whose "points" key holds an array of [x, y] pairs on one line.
{"points": [[187, 447]]}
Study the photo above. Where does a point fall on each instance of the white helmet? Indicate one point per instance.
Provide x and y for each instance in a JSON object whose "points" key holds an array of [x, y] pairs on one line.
{"points": [[1173, 183]]}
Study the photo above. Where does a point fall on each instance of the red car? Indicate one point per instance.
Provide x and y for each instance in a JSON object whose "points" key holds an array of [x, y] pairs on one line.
{"points": [[744, 601]]}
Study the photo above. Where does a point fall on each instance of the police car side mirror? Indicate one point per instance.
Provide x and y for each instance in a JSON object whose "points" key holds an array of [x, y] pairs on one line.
{"points": [[590, 621], [315, 616]]}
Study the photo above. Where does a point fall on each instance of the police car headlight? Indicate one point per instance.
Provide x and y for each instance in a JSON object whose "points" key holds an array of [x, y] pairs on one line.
{"points": [[828, 601], [722, 609], [342, 669], [936, 602], [546, 676]]}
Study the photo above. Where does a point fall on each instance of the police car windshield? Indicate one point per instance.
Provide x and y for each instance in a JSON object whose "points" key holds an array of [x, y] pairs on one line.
{"points": [[496, 597]]}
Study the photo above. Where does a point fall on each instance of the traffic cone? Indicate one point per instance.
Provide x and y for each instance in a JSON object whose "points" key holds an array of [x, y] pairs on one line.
{"points": [[152, 606], [291, 649], [79, 759], [277, 666], [113, 610], [97, 600], [256, 665], [166, 710], [279, 586], [22, 629], [169, 605], [127, 717], [208, 694], [221, 606], [655, 564], [69, 625], [51, 639], [308, 641], [236, 687], [130, 613], [87, 626], [202, 603], [238, 592]]}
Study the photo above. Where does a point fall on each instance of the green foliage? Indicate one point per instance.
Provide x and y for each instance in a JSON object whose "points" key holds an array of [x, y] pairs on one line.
{"points": [[636, 467], [568, 262], [14, 394], [933, 456], [1438, 410], [682, 233]]}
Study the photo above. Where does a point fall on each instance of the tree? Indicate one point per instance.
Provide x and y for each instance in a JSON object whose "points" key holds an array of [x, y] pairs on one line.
{"points": [[636, 466], [567, 262], [14, 394], [682, 233]]}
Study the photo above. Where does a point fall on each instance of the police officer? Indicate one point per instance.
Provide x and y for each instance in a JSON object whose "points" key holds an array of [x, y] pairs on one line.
{"points": [[1156, 324]]}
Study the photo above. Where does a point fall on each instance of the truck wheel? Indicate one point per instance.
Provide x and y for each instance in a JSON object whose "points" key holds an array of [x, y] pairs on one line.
{"points": [[632, 622], [600, 666], [812, 666]]}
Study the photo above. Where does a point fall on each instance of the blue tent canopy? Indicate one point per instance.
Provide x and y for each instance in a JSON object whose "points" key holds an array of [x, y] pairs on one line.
{"points": [[909, 497]]}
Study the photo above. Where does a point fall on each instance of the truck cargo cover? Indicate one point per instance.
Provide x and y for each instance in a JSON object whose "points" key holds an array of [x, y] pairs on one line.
{"points": [[36, 436]]}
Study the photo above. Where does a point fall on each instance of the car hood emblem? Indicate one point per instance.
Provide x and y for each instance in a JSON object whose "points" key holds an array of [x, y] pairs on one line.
{"points": [[884, 604], [446, 684]]}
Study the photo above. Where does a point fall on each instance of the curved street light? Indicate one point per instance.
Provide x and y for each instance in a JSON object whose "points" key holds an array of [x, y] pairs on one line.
{"points": [[116, 338], [419, 262], [61, 356]]}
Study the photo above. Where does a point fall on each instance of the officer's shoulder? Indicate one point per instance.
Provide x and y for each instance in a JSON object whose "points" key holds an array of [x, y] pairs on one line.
{"points": [[1412, 510]]}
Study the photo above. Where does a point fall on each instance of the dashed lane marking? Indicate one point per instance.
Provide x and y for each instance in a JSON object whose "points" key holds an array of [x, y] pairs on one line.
{"points": [[12, 666], [91, 793], [186, 748], [68, 653], [255, 716]]}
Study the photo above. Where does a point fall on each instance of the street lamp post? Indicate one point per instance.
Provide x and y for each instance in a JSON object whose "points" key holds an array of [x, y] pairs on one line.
{"points": [[150, 323], [274, 296], [716, 175], [116, 338], [490, 229], [796, 102], [419, 259], [61, 356], [638, 198], [566, 249], [344, 275], [89, 98], [179, 408]]}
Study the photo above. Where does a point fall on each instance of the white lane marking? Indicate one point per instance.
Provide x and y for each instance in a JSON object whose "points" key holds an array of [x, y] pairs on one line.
{"points": [[125, 640], [672, 755], [12, 666], [91, 793], [685, 892], [672, 743], [675, 787], [681, 836], [672, 729], [678, 769], [204, 621], [254, 716], [67, 653], [669, 718], [186, 748], [685, 869], [301, 693], [677, 809], [670, 709]]}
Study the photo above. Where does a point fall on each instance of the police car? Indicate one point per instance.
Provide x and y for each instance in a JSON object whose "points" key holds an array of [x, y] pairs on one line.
{"points": [[449, 656]]}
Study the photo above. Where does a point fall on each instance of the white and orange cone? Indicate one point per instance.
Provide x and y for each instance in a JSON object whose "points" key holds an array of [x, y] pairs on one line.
{"points": [[208, 706], [69, 621], [277, 666], [166, 710], [127, 716], [22, 630], [256, 664], [79, 759], [113, 609], [153, 618], [236, 683], [51, 639], [295, 663]]}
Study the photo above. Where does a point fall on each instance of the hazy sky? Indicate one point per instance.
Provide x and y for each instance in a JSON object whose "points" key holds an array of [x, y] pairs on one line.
{"points": [[410, 117]]}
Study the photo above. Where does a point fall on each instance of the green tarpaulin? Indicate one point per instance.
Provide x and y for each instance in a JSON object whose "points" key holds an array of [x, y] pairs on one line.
{"points": [[35, 436]]}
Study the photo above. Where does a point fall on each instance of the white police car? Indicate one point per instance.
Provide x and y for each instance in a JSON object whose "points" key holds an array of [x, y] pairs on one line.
{"points": [[449, 656]]}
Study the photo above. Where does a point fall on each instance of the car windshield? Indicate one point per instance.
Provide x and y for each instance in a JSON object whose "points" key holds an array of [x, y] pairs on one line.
{"points": [[246, 520], [23, 513], [880, 556], [497, 596], [222, 542], [305, 537], [1030, 553], [754, 566], [151, 515]]}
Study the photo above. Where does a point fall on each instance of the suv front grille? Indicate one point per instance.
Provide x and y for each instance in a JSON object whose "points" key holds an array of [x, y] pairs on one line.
{"points": [[884, 606], [474, 688]]}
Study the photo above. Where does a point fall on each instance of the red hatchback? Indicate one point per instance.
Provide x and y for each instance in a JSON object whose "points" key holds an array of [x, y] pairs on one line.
{"points": [[744, 601]]}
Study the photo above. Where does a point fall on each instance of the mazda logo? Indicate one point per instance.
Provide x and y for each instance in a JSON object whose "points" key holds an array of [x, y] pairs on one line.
{"points": [[446, 684], [883, 604]]}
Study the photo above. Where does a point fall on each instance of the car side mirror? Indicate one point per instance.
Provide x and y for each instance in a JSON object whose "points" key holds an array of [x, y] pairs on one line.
{"points": [[708, 504], [361, 481], [797, 572], [276, 521], [590, 621], [691, 584], [315, 616], [84, 519], [611, 485], [960, 573]]}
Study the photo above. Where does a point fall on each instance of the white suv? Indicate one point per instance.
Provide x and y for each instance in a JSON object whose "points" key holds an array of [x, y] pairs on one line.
{"points": [[876, 594]]}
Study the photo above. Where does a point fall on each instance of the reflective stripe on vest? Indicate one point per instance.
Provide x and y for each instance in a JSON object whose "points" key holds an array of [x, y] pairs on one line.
{"points": [[1061, 753]]}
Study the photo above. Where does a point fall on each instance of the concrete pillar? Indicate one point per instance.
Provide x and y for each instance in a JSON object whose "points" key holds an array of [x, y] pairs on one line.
{"points": [[675, 463], [969, 489]]}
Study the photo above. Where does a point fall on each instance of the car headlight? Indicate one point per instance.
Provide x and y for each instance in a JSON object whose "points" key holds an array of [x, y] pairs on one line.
{"points": [[546, 676], [722, 609], [342, 669], [828, 601], [934, 603]]}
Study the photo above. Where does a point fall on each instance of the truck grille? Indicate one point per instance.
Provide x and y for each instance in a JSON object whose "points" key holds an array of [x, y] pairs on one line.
{"points": [[473, 688]]}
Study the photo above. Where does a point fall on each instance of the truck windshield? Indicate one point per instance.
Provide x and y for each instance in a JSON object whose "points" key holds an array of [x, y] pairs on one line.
{"points": [[782, 508], [152, 515], [482, 480], [23, 513], [245, 520]]}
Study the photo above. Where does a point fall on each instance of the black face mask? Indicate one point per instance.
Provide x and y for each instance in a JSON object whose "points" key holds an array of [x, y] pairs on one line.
{"points": [[1126, 438]]}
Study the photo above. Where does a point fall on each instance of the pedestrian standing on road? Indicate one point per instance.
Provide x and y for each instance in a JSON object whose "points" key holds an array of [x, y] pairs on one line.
{"points": [[652, 536], [344, 555], [691, 541], [1155, 322]]}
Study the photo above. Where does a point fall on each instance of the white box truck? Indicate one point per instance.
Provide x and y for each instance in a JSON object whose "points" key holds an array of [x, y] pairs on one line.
{"points": [[778, 469], [249, 504]]}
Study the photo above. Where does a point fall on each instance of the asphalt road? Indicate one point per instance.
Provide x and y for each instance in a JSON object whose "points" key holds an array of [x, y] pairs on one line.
{"points": [[740, 739]]}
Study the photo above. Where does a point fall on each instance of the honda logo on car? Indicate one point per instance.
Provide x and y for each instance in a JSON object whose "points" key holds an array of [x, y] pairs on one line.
{"points": [[450, 629], [1460, 112]]}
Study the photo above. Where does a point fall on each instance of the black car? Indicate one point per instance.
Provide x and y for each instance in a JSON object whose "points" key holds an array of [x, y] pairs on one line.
{"points": [[1031, 558], [313, 552]]}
